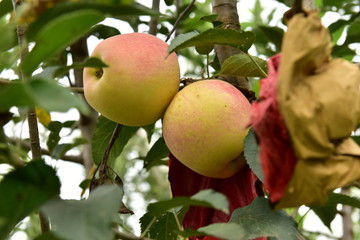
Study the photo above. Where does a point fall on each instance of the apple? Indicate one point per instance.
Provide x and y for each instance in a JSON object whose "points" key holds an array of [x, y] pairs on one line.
{"points": [[205, 126], [139, 81]]}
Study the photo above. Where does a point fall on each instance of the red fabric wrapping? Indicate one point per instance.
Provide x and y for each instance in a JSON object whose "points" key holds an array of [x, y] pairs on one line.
{"points": [[277, 156], [240, 190]]}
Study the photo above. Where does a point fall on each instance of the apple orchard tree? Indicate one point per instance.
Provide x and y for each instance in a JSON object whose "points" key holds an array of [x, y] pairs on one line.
{"points": [[257, 136]]}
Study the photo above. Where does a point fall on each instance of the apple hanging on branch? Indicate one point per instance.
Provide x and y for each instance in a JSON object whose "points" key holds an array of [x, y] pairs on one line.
{"points": [[140, 81], [205, 125]]}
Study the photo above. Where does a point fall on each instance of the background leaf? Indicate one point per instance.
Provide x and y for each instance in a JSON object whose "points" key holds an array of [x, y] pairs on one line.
{"points": [[88, 219], [207, 198], [42, 93], [8, 35], [228, 37], [15, 94], [251, 152], [327, 212], [54, 135], [23, 191], [48, 236], [258, 220], [6, 6], [240, 65], [58, 34], [273, 34], [102, 135], [89, 62], [164, 227], [53, 97], [63, 8], [155, 155], [226, 231]]}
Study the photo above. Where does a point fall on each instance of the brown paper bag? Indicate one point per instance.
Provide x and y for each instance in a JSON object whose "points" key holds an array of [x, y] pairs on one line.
{"points": [[319, 99]]}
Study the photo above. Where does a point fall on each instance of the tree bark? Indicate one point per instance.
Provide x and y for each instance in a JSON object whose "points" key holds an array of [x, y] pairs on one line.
{"points": [[227, 14], [79, 52]]}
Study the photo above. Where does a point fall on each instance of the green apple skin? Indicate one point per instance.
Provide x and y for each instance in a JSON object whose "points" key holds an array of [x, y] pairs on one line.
{"points": [[205, 126], [140, 81]]}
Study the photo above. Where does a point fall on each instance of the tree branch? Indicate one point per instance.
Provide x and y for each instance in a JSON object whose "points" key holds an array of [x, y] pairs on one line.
{"points": [[154, 19], [227, 14]]}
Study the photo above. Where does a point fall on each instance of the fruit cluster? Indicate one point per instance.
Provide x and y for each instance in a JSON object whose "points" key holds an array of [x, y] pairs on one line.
{"points": [[204, 124]]}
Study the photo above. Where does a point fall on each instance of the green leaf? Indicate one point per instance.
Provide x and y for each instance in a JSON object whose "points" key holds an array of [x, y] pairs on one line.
{"points": [[274, 34], [155, 155], [356, 139], [227, 37], [226, 231], [353, 33], [53, 97], [8, 35], [251, 152], [149, 129], [205, 50], [54, 137], [240, 65], [23, 191], [16, 94], [102, 135], [48, 236], [6, 6], [64, 8], [327, 212], [163, 227], [169, 2], [258, 220], [61, 149], [89, 219], [210, 18], [103, 31], [42, 93], [336, 29], [90, 62], [206, 198], [58, 34]]}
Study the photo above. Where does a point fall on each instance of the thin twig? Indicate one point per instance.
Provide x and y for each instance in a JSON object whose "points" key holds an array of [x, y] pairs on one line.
{"points": [[26, 146], [102, 168], [105, 157], [187, 9]]}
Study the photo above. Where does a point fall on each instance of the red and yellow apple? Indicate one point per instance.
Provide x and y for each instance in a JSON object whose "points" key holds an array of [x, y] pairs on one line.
{"points": [[140, 81], [205, 126]]}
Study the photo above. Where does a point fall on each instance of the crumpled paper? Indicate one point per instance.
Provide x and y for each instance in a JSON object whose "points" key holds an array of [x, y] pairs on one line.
{"points": [[319, 100]]}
